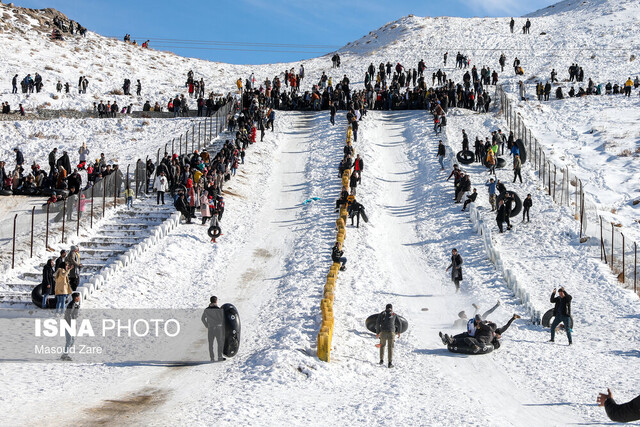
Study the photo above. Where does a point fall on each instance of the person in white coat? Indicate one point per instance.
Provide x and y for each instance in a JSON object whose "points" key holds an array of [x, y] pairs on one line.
{"points": [[160, 185]]}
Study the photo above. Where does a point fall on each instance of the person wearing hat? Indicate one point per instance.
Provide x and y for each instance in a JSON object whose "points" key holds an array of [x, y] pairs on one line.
{"points": [[71, 313], [213, 320], [561, 313], [73, 260], [456, 269], [386, 327]]}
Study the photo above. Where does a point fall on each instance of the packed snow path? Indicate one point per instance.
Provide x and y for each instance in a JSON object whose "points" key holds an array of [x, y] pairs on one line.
{"points": [[271, 264]]}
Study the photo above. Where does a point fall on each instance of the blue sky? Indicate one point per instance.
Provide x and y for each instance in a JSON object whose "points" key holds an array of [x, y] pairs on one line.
{"points": [[257, 31]]}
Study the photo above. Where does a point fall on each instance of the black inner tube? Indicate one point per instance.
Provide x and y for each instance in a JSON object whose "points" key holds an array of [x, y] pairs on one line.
{"points": [[466, 157], [214, 231]]}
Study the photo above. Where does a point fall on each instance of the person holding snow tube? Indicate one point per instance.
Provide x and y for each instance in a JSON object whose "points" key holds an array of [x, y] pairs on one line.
{"points": [[562, 313], [213, 320], [214, 230], [386, 329]]}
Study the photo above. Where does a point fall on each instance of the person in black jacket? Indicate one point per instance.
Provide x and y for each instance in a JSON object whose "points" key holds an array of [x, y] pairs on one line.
{"points": [[500, 214], [332, 112], [336, 256], [183, 207], [625, 413], [526, 205], [442, 151], [456, 269], [60, 262], [19, 157], [561, 312], [48, 282], [470, 199], [386, 327], [343, 198], [354, 210], [213, 320]]}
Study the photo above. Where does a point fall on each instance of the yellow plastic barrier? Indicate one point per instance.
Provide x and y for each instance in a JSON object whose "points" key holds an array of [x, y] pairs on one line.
{"points": [[325, 336]]}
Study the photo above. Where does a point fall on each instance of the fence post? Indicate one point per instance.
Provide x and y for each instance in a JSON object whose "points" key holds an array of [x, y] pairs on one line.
{"points": [[115, 187], [33, 214], [172, 149], [623, 276], [104, 195], [137, 180], [205, 130], [78, 213], [217, 124], [91, 220], [180, 143], [555, 172], [64, 215], [46, 234], [199, 134], [635, 266], [13, 251], [211, 126], [549, 172], [612, 247]]}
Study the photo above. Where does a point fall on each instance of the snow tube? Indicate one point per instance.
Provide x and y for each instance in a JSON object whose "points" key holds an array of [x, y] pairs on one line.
{"points": [[523, 151], [214, 231], [231, 330], [36, 298], [548, 316], [465, 349], [466, 157], [364, 216], [500, 163], [6, 193], [370, 323], [517, 204]]}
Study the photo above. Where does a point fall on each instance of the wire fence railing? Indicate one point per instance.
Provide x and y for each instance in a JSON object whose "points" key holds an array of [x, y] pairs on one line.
{"points": [[29, 234], [566, 189]]}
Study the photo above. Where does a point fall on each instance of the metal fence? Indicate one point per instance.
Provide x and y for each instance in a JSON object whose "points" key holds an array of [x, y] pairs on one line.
{"points": [[29, 234], [566, 189]]}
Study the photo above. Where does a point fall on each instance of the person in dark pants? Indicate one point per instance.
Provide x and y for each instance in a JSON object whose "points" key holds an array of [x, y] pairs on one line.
{"points": [[14, 84], [526, 205], [624, 413], [213, 320], [501, 330], [71, 313], [456, 268], [500, 214], [336, 256], [517, 166], [470, 199], [386, 327], [355, 210], [48, 282], [561, 312], [332, 113]]}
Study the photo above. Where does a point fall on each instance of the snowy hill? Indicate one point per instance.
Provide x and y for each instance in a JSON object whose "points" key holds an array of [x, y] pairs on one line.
{"points": [[279, 227]]}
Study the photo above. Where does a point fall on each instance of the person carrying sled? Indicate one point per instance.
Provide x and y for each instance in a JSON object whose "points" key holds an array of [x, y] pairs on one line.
{"points": [[387, 326], [561, 312], [213, 320]]}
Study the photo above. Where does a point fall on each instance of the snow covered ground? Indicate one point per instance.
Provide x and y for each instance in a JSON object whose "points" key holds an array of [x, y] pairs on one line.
{"points": [[271, 263], [273, 256]]}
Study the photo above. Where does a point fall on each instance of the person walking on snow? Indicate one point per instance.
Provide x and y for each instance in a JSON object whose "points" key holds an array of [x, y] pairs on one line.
{"points": [[517, 165], [561, 312], [161, 186], [386, 327], [442, 151], [456, 268], [526, 205], [213, 320]]}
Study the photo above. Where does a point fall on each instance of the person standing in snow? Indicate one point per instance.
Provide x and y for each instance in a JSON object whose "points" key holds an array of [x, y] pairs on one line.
{"points": [[526, 205], [517, 166], [442, 151], [561, 312], [512, 23], [522, 91], [456, 268], [213, 320], [387, 325], [161, 186], [624, 413], [14, 84], [138, 88], [70, 314]]}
